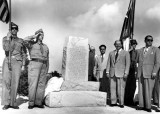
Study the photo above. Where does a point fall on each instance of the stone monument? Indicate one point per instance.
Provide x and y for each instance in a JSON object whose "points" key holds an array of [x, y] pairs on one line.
{"points": [[77, 59], [76, 90]]}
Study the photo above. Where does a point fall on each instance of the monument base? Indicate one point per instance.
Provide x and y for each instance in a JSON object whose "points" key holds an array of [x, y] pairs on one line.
{"points": [[80, 86], [76, 99]]}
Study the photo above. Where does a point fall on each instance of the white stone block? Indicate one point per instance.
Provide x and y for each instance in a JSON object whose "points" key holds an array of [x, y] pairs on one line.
{"points": [[76, 99]]}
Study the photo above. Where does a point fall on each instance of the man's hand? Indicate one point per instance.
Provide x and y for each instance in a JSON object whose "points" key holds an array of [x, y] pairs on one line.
{"points": [[107, 74], [136, 76], [153, 75], [125, 76], [9, 34], [22, 68]]}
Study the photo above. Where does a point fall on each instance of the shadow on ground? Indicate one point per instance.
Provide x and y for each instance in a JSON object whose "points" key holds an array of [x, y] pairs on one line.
{"points": [[21, 100]]}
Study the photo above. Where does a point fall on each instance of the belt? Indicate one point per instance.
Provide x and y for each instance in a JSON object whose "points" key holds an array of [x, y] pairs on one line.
{"points": [[39, 60], [12, 56]]}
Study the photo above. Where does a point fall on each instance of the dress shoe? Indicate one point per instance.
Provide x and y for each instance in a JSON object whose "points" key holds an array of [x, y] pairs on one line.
{"points": [[155, 104], [14, 107], [158, 110], [30, 107], [121, 106], [39, 106], [148, 110], [139, 108], [6, 107], [113, 105]]}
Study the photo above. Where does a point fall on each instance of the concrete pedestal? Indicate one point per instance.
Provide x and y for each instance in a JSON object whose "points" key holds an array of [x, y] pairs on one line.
{"points": [[80, 86], [76, 99]]}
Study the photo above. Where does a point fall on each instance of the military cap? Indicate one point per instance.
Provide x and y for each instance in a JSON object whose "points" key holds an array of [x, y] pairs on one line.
{"points": [[14, 26], [133, 41], [39, 31], [92, 48]]}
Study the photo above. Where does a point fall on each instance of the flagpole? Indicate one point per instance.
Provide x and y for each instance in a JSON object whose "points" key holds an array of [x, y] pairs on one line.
{"points": [[9, 60]]}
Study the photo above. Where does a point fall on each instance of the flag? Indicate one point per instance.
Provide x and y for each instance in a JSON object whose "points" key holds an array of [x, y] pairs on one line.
{"points": [[128, 26], [4, 11]]}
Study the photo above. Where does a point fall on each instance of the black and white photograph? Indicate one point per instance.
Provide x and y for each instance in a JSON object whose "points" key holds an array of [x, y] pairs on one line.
{"points": [[79, 56]]}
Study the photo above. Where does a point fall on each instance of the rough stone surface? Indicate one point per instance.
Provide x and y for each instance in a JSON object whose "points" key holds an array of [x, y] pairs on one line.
{"points": [[80, 86], [76, 99], [75, 59]]}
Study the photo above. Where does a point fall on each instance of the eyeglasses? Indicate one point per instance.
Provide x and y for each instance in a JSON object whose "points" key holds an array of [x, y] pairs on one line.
{"points": [[149, 40], [14, 28]]}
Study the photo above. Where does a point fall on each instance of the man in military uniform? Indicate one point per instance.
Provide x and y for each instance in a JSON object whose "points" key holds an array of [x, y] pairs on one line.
{"points": [[37, 69], [12, 74], [131, 79]]}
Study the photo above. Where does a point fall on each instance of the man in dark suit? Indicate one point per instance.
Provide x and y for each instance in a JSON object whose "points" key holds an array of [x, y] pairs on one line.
{"points": [[117, 70], [131, 79], [148, 66], [91, 64]]}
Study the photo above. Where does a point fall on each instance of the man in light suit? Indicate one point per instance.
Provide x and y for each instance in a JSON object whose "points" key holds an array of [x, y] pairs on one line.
{"points": [[117, 70], [100, 67], [148, 66], [156, 91]]}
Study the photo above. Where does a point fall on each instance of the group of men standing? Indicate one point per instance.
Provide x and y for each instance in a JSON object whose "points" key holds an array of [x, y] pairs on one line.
{"points": [[16, 53], [118, 73]]}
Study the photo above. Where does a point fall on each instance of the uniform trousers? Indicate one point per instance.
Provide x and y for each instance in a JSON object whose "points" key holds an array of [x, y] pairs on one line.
{"points": [[10, 81], [37, 82], [130, 87]]}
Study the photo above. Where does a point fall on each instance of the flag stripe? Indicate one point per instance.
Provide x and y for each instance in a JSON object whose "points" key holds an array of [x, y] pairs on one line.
{"points": [[4, 11], [5, 15], [1, 1], [2, 7]]}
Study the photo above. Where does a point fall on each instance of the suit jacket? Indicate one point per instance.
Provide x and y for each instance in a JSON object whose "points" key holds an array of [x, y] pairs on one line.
{"points": [[148, 63], [119, 67], [100, 66]]}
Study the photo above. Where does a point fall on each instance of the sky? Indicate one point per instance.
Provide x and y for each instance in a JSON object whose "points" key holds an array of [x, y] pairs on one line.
{"points": [[98, 20]]}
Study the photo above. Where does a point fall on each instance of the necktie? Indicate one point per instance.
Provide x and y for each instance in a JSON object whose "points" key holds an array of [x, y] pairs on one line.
{"points": [[102, 58], [41, 48], [116, 56], [145, 51]]}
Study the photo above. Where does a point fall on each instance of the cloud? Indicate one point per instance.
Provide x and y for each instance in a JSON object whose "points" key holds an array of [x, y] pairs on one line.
{"points": [[100, 25], [108, 16], [153, 12]]}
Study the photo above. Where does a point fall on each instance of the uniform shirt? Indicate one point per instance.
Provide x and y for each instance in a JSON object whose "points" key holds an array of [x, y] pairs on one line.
{"points": [[17, 48], [35, 50], [133, 57]]}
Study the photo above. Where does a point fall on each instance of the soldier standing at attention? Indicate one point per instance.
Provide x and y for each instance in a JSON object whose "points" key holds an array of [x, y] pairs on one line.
{"points": [[37, 69], [12, 74], [131, 79]]}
